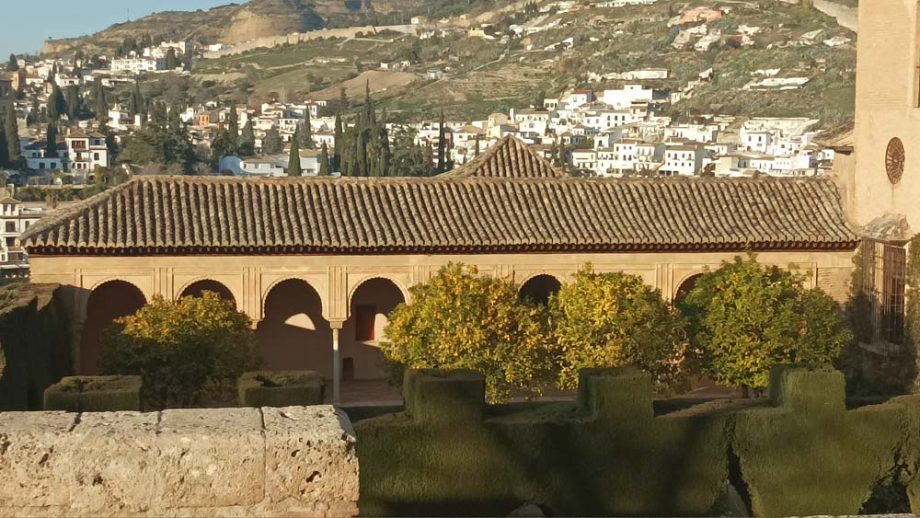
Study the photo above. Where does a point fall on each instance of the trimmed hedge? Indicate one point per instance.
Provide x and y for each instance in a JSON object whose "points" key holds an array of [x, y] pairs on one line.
{"points": [[95, 394], [799, 453], [281, 389], [449, 454], [34, 343]]}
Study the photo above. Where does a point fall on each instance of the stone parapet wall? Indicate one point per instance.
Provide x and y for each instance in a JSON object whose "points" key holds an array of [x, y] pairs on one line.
{"points": [[295, 461]]}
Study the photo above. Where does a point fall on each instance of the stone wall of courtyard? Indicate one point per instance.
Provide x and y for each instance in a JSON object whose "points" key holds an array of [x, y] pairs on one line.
{"points": [[295, 461]]}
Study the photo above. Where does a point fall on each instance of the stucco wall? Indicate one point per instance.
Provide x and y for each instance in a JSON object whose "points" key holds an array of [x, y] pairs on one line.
{"points": [[223, 462]]}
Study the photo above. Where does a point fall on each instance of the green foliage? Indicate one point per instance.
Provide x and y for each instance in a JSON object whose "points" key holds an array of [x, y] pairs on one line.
{"points": [[13, 64], [409, 158], [164, 140], [462, 320], [95, 394], [281, 389], [272, 143], [746, 318], [11, 131], [808, 455], [608, 455], [294, 167], [614, 320], [912, 316], [180, 348], [324, 161], [247, 140]]}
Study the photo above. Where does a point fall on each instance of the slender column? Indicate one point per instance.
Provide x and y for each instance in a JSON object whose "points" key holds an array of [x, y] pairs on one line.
{"points": [[336, 363]]}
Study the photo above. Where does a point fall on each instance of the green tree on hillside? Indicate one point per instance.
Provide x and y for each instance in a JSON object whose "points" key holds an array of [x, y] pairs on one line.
{"points": [[306, 132], [57, 105], [324, 161], [11, 130], [13, 64], [72, 98], [101, 105], [51, 149], [233, 129], [4, 150], [272, 144], [745, 318], [293, 167], [172, 62], [248, 140]]}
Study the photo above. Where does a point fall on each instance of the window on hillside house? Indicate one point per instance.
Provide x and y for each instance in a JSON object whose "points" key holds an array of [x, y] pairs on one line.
{"points": [[365, 323], [884, 271]]}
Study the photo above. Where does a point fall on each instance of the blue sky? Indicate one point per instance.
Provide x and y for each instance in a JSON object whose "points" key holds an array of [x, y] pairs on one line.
{"points": [[66, 18]]}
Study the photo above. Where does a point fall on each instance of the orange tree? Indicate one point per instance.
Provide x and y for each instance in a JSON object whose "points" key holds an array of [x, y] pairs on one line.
{"points": [[462, 320], [180, 348], [746, 318], [613, 320]]}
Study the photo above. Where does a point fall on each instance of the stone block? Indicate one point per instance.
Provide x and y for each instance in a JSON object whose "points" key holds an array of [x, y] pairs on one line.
{"points": [[311, 460], [210, 458], [112, 463], [34, 459]]}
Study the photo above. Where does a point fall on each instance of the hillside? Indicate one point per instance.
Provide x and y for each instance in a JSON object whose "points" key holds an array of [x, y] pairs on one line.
{"points": [[236, 23], [757, 41]]}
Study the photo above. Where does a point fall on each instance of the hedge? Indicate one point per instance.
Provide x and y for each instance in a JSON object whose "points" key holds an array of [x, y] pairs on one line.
{"points": [[95, 394], [281, 389], [34, 344], [801, 452]]}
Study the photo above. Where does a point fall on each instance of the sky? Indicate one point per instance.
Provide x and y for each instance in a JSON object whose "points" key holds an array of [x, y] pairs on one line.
{"points": [[67, 18]]}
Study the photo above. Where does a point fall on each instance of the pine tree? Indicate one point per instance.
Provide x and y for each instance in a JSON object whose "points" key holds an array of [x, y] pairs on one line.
{"points": [[233, 128], [11, 131], [248, 140], [51, 150], [324, 161], [13, 65], [293, 168], [102, 104], [441, 145], [306, 135]]}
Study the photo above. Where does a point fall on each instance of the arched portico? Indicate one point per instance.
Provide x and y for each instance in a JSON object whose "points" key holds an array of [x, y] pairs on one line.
{"points": [[686, 286], [293, 333], [370, 304], [195, 289], [109, 301], [540, 288]]}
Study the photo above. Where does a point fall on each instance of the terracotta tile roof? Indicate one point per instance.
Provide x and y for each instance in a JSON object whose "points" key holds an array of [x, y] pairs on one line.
{"points": [[194, 215], [509, 158]]}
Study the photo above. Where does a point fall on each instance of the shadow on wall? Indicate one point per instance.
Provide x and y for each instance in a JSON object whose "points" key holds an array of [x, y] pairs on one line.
{"points": [[294, 335], [361, 335], [34, 344], [108, 302]]}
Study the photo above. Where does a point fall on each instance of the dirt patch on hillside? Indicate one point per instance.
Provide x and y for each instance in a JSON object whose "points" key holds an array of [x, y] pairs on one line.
{"points": [[380, 81]]}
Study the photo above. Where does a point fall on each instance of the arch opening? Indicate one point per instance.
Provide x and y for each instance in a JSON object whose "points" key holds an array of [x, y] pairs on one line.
{"points": [[294, 335], [109, 301], [686, 287], [196, 289], [539, 289], [370, 305]]}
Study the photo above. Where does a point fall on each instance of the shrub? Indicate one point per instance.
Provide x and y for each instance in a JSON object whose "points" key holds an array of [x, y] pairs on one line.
{"points": [[180, 348], [461, 320], [746, 318], [614, 320], [95, 394], [281, 389]]}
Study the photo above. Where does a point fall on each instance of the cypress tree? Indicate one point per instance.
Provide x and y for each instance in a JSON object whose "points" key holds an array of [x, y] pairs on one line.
{"points": [[307, 135], [172, 62], [338, 145], [11, 131], [293, 168], [73, 102], [369, 115], [136, 101], [13, 64], [51, 144], [233, 127], [57, 105], [4, 150], [324, 161], [248, 140], [102, 105], [441, 145]]}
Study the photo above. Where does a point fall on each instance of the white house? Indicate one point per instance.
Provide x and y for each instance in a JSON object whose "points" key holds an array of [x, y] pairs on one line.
{"points": [[683, 159]]}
